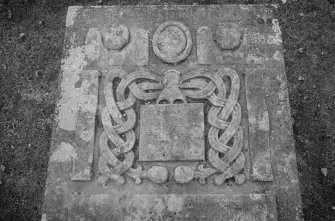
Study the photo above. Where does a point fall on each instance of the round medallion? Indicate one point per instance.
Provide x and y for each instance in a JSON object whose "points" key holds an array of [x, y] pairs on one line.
{"points": [[158, 174], [240, 178], [183, 174], [116, 37], [172, 42], [228, 36]]}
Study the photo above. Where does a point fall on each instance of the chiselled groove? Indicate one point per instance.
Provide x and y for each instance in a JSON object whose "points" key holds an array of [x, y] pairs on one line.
{"points": [[210, 85], [110, 165]]}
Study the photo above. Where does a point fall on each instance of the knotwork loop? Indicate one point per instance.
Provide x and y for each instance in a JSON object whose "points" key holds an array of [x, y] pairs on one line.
{"points": [[119, 118], [225, 134]]}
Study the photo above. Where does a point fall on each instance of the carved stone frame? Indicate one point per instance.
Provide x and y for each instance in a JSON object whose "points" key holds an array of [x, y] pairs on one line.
{"points": [[225, 158]]}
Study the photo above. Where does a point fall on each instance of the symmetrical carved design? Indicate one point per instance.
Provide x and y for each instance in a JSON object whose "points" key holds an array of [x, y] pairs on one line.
{"points": [[172, 42], [171, 93], [225, 157]]}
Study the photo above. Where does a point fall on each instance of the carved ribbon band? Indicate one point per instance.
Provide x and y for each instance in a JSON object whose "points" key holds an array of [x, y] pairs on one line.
{"points": [[224, 118]]}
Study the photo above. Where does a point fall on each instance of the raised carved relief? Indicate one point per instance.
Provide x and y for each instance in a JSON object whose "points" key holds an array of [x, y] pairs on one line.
{"points": [[225, 136], [172, 42], [116, 37], [117, 45], [228, 36], [172, 131], [222, 44]]}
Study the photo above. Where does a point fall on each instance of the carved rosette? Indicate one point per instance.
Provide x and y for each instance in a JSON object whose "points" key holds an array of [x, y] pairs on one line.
{"points": [[225, 158]]}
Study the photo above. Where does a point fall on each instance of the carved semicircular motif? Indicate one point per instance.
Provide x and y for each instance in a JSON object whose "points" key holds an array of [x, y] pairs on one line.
{"points": [[172, 42]]}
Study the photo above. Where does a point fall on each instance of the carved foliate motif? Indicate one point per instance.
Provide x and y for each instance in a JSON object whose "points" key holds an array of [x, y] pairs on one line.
{"points": [[224, 156]]}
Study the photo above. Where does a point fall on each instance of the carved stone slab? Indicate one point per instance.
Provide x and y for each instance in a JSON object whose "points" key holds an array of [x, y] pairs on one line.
{"points": [[172, 113], [172, 132]]}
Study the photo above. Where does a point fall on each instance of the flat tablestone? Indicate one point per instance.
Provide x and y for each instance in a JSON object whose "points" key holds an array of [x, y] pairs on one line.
{"points": [[222, 147], [172, 132]]}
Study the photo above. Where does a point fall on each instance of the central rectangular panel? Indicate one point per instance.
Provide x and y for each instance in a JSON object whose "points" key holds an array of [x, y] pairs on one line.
{"points": [[172, 132]]}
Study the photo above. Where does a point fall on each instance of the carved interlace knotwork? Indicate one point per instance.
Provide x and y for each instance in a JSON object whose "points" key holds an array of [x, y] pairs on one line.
{"points": [[225, 157], [118, 160], [224, 117]]}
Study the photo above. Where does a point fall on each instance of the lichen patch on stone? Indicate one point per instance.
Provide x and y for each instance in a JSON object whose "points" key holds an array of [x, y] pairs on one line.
{"points": [[278, 56], [245, 7], [99, 199], [263, 123], [65, 152], [93, 41], [44, 217], [175, 204], [276, 38], [255, 196], [72, 66], [71, 15]]}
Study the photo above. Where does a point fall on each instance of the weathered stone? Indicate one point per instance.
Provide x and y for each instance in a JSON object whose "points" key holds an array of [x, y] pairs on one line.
{"points": [[182, 138], [233, 43], [158, 174], [172, 132], [107, 47], [116, 37], [183, 174], [240, 178], [172, 42], [228, 36], [259, 128], [193, 207], [85, 129], [171, 93]]}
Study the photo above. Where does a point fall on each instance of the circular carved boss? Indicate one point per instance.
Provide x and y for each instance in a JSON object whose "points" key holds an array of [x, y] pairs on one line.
{"points": [[228, 36], [116, 37], [172, 42]]}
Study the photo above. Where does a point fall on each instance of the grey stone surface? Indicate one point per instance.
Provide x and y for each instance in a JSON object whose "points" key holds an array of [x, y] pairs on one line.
{"points": [[172, 132], [218, 66], [183, 174], [85, 129], [197, 207], [259, 128]]}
